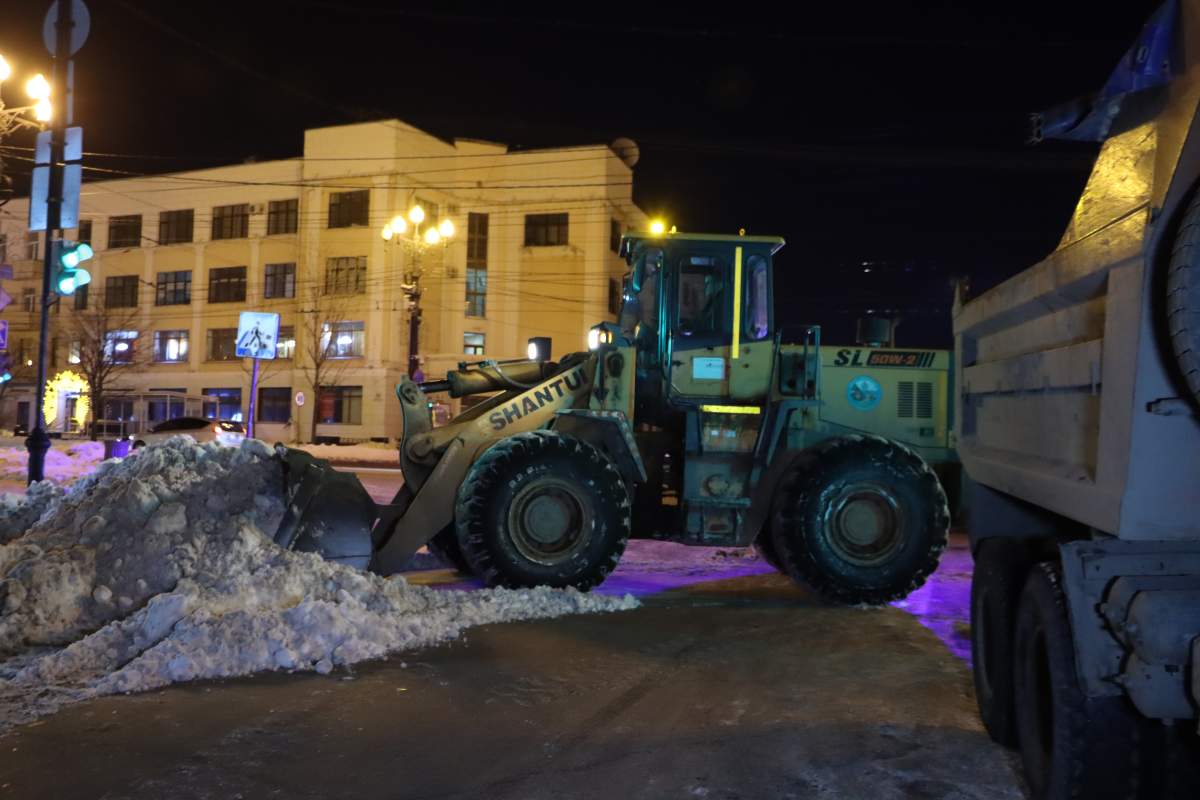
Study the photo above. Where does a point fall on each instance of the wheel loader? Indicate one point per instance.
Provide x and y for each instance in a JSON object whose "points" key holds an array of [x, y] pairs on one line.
{"points": [[694, 418]]}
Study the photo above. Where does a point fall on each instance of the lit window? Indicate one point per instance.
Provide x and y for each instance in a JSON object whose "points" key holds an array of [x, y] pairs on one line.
{"points": [[343, 339], [473, 344]]}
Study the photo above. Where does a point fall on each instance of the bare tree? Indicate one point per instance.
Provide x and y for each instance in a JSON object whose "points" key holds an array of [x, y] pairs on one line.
{"points": [[108, 342], [321, 355]]}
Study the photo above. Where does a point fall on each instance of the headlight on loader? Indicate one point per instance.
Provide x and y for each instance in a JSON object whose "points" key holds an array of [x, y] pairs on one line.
{"points": [[598, 336]]}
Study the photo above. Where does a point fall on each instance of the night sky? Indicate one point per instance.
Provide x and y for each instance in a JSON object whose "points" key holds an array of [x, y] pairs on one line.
{"points": [[888, 133]]}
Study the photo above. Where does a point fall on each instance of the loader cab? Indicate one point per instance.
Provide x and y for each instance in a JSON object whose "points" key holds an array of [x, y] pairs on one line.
{"points": [[701, 309]]}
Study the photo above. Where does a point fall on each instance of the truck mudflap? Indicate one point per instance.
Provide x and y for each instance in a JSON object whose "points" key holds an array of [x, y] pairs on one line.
{"points": [[1135, 616]]}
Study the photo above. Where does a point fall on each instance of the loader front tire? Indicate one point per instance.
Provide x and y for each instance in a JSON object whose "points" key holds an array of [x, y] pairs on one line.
{"points": [[445, 546], [543, 509], [860, 519]]}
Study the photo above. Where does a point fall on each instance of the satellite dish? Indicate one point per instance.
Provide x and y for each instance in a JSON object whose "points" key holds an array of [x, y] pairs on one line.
{"points": [[626, 150]]}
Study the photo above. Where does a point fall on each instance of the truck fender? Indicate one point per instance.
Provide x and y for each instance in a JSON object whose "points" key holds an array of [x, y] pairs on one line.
{"points": [[608, 431]]}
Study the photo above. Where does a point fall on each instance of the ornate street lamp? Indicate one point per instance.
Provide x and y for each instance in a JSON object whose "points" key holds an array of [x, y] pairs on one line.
{"points": [[415, 237]]}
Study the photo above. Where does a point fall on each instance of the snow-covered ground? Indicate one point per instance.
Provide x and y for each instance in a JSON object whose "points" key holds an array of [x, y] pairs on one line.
{"points": [[366, 453], [66, 461], [156, 569]]}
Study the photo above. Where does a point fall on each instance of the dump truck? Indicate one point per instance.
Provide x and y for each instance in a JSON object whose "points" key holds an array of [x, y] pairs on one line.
{"points": [[1078, 426], [695, 418]]}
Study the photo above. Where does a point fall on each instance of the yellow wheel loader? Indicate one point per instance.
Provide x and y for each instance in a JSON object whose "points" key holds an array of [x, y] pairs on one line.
{"points": [[695, 418]]}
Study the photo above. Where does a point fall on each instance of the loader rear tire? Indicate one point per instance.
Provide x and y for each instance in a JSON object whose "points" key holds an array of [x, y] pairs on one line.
{"points": [[445, 546], [860, 519], [766, 550], [543, 509]]}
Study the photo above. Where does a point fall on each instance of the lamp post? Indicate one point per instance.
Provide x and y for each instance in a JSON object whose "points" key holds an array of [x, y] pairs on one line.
{"points": [[415, 236]]}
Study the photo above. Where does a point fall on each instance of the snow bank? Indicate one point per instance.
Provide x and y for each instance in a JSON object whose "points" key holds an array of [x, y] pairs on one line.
{"points": [[366, 452], [156, 569], [65, 460]]}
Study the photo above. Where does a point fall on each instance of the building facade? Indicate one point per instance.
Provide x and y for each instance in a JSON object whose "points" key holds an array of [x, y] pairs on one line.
{"points": [[179, 256]]}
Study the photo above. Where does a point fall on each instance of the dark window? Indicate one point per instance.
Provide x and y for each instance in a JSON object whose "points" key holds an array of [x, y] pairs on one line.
{"points": [[170, 346], [120, 347], [614, 236], [228, 405], [165, 408], [343, 339], [477, 240], [121, 291], [701, 296], [285, 345], [473, 344], [125, 231], [757, 311], [175, 227], [274, 404], [27, 300], [340, 405], [346, 275], [53, 352], [280, 280], [349, 208], [222, 344], [614, 296], [227, 285], [545, 230], [81, 298], [476, 291], [231, 222], [477, 250], [173, 288], [85, 231], [282, 216]]}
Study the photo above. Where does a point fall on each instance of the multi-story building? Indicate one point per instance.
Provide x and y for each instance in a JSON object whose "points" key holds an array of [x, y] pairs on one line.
{"points": [[178, 256]]}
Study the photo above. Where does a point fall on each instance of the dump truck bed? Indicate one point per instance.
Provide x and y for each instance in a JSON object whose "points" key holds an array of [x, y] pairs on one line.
{"points": [[1066, 398]]}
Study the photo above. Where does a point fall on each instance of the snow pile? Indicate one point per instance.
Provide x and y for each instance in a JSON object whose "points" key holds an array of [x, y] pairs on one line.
{"points": [[156, 569]]}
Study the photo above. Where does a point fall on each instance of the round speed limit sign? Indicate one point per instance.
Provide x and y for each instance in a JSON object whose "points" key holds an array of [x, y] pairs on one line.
{"points": [[299, 398]]}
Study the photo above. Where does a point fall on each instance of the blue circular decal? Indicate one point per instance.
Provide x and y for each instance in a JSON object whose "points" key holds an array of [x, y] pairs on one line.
{"points": [[864, 393]]}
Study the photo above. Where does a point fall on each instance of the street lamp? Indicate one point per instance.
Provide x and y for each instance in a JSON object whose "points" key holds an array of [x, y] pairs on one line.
{"points": [[41, 109], [408, 232]]}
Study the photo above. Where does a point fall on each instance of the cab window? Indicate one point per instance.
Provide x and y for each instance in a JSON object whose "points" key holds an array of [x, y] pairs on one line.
{"points": [[701, 300], [758, 298]]}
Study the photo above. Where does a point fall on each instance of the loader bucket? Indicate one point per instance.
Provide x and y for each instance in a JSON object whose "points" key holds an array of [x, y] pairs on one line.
{"points": [[328, 512]]}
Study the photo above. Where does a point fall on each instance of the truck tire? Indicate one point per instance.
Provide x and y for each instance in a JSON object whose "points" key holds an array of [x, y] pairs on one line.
{"points": [[1183, 297], [1072, 745], [543, 509], [445, 546], [1000, 569], [860, 519]]}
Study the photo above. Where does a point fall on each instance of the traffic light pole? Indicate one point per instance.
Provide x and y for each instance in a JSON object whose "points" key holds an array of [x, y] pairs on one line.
{"points": [[39, 441]]}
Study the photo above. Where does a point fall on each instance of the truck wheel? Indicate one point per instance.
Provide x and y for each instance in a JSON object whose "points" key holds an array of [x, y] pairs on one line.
{"points": [[1000, 569], [860, 520], [1072, 745], [1183, 297], [445, 546], [543, 509]]}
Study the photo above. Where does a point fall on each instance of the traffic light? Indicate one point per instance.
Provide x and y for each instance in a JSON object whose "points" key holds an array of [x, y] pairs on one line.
{"points": [[69, 275], [5, 367]]}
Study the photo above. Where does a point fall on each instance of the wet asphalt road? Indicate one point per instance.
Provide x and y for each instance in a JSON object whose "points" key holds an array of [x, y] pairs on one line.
{"points": [[729, 682]]}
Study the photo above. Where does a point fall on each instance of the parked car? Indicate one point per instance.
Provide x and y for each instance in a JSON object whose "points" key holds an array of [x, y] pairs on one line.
{"points": [[223, 432]]}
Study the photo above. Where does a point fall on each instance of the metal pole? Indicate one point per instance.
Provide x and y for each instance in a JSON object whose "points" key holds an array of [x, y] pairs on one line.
{"points": [[253, 398], [39, 441]]}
